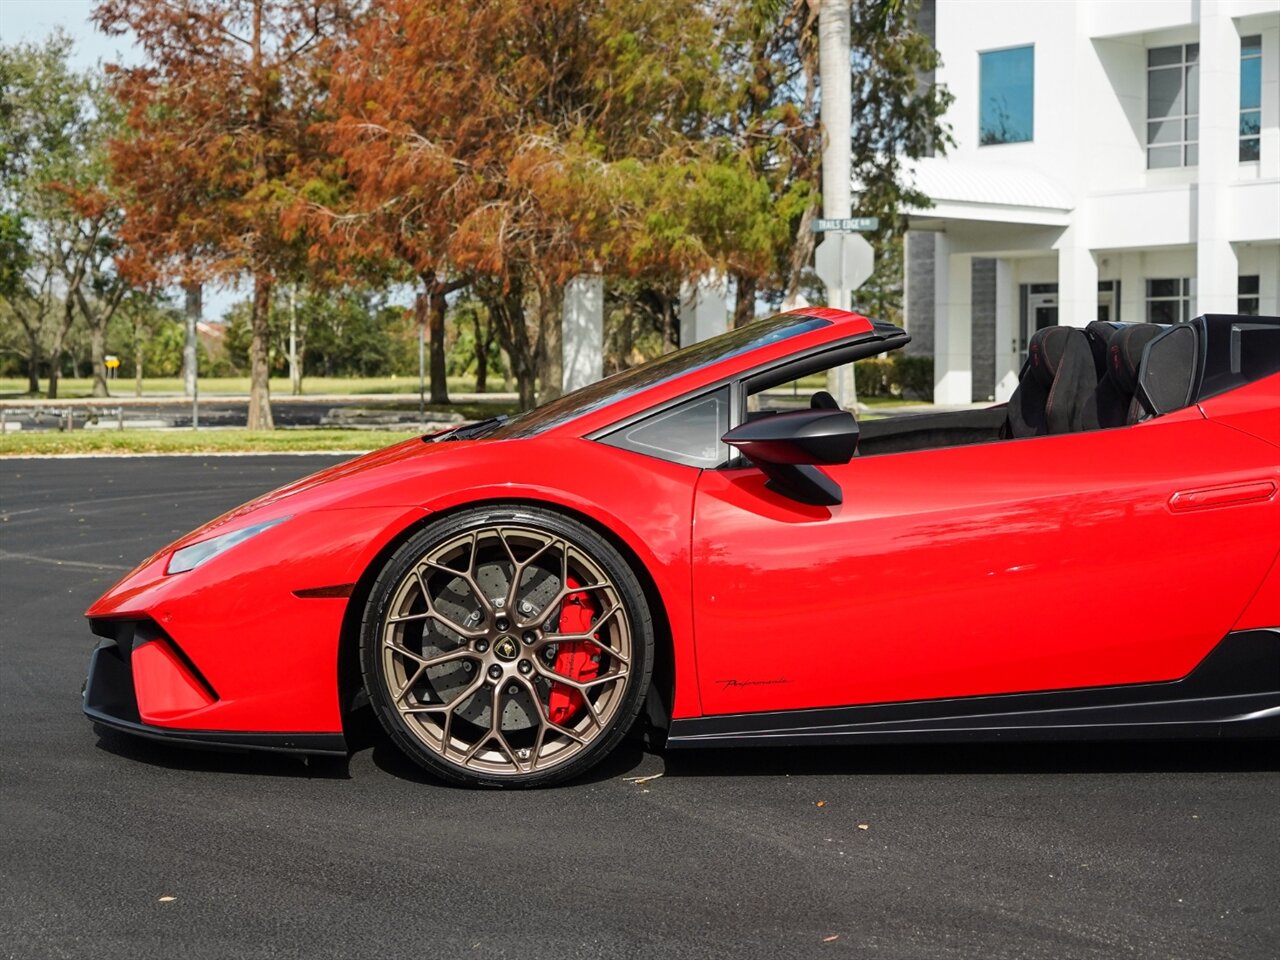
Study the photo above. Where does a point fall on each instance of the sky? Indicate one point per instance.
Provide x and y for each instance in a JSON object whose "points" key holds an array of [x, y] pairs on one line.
{"points": [[33, 20], [30, 21]]}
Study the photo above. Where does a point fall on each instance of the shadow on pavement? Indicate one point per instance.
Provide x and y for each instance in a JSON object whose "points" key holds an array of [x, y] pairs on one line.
{"points": [[630, 756], [251, 763], [985, 758]]}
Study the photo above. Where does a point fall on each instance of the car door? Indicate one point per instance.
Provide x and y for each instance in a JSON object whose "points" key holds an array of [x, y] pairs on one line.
{"points": [[1039, 564]]}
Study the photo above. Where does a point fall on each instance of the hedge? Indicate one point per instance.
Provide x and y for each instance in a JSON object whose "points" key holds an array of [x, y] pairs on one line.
{"points": [[896, 375]]}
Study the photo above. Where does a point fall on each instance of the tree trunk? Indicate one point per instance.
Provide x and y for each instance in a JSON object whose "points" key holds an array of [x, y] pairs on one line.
{"points": [[484, 340], [55, 350], [801, 254], [506, 313], [626, 338], [670, 326], [33, 362], [138, 347], [193, 309], [551, 336], [98, 357], [744, 309], [295, 358], [436, 317], [525, 383], [259, 371]]}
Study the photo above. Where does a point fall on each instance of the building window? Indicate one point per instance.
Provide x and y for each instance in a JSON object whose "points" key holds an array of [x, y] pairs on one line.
{"points": [[1169, 301], [1247, 300], [1173, 106], [1250, 98], [1109, 300], [1007, 91]]}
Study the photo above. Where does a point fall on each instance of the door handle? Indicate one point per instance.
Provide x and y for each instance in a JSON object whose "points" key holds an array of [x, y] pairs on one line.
{"points": [[1226, 495]]}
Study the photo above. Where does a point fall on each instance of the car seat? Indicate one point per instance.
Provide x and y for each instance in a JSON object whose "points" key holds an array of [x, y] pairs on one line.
{"points": [[1117, 401], [1056, 393]]}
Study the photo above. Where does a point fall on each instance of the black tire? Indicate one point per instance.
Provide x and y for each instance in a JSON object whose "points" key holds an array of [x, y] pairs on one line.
{"points": [[427, 657]]}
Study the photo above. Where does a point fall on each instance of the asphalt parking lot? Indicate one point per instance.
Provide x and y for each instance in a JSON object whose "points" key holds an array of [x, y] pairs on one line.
{"points": [[112, 847]]}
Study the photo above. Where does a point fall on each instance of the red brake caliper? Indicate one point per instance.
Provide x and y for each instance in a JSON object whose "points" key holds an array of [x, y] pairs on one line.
{"points": [[578, 661]]}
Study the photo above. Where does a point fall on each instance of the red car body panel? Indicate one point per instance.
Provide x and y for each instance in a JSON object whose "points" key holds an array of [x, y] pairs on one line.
{"points": [[242, 626], [1032, 560], [1093, 559]]}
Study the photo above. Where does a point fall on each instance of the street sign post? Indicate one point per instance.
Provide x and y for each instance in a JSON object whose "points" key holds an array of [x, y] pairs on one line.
{"points": [[843, 261]]}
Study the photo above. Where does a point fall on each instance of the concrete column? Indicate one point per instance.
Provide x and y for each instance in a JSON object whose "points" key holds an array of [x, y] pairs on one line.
{"points": [[952, 335], [1006, 332], [583, 341], [704, 309], [1077, 279], [1133, 288], [1219, 157], [1268, 259]]}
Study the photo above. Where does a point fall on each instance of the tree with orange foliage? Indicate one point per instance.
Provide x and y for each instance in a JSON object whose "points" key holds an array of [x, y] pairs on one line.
{"points": [[511, 142], [219, 141]]}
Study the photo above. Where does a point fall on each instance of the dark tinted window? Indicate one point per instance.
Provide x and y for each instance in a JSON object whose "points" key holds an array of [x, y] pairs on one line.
{"points": [[688, 433], [628, 382]]}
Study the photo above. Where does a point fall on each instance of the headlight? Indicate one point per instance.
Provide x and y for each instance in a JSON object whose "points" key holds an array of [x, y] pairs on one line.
{"points": [[191, 556]]}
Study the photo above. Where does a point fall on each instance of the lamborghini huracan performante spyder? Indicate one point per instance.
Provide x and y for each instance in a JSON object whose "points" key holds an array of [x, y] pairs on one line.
{"points": [[698, 545]]}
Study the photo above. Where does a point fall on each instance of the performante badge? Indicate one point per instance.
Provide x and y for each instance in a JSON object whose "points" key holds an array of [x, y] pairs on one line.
{"points": [[506, 648]]}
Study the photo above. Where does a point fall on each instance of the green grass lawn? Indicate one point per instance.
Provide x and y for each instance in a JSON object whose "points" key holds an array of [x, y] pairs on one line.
{"points": [[195, 441], [75, 389]]}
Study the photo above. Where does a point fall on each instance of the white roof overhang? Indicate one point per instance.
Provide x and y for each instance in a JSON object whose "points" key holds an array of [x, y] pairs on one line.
{"points": [[995, 193]]}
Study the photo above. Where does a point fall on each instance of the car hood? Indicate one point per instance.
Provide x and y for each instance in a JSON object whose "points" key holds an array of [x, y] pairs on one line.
{"points": [[371, 480]]}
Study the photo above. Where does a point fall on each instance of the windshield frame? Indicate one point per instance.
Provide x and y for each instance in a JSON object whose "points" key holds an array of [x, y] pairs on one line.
{"points": [[661, 370]]}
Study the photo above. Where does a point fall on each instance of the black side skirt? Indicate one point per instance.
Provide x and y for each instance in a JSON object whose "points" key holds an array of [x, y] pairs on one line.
{"points": [[1233, 692], [109, 701]]}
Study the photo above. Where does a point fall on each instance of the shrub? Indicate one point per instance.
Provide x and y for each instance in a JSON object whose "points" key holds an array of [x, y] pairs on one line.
{"points": [[897, 375]]}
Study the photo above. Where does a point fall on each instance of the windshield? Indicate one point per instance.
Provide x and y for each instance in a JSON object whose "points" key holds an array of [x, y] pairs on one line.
{"points": [[628, 382]]}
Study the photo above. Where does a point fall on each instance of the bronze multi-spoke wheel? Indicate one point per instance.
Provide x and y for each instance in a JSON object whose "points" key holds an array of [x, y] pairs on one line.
{"points": [[506, 647]]}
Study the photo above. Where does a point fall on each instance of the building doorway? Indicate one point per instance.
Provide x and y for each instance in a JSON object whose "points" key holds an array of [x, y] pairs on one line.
{"points": [[1040, 309]]}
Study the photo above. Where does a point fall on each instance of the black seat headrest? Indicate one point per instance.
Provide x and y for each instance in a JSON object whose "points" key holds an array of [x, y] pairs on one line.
{"points": [[1046, 352], [1124, 355]]}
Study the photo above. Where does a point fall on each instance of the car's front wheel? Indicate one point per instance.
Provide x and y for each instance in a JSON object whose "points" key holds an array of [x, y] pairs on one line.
{"points": [[506, 646]]}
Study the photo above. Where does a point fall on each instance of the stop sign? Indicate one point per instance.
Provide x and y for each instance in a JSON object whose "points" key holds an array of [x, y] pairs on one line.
{"points": [[844, 261]]}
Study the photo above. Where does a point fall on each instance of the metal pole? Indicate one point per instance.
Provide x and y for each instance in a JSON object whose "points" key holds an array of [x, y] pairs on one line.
{"points": [[837, 117], [191, 350]]}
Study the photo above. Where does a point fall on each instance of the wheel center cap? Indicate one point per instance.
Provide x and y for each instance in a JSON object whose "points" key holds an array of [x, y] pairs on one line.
{"points": [[506, 649]]}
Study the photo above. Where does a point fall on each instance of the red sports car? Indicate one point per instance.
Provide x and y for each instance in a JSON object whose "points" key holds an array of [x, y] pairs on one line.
{"points": [[1096, 558]]}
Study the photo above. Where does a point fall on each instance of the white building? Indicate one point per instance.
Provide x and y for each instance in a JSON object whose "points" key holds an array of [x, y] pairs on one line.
{"points": [[1114, 159]]}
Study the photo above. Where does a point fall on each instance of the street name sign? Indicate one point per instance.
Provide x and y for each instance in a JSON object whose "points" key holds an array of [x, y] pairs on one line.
{"points": [[845, 224]]}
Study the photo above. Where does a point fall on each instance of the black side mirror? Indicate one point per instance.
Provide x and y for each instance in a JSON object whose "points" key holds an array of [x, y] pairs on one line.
{"points": [[787, 445]]}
